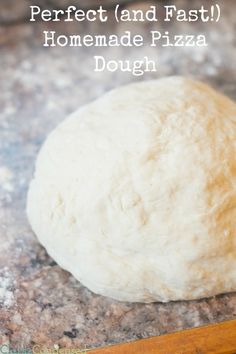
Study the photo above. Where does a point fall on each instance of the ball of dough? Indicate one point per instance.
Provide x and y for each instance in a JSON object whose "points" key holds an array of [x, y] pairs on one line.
{"points": [[135, 193]]}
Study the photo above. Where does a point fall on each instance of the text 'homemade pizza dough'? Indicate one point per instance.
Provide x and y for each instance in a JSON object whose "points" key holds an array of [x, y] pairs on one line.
{"points": [[135, 193]]}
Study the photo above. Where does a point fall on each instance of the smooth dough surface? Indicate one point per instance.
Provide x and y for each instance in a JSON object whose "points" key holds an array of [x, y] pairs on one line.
{"points": [[135, 193]]}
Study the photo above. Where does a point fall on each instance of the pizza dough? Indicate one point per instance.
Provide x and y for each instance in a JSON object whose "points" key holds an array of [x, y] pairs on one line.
{"points": [[135, 193]]}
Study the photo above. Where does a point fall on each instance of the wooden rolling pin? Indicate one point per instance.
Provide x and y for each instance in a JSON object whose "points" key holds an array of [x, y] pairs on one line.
{"points": [[213, 339]]}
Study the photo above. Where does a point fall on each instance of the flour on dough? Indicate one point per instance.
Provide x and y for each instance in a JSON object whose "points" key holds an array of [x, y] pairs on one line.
{"points": [[135, 193]]}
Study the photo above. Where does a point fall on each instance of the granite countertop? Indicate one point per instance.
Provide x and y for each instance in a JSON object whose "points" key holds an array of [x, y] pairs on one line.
{"points": [[39, 302]]}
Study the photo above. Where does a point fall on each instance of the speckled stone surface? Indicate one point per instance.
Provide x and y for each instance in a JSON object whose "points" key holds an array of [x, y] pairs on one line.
{"points": [[39, 302]]}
